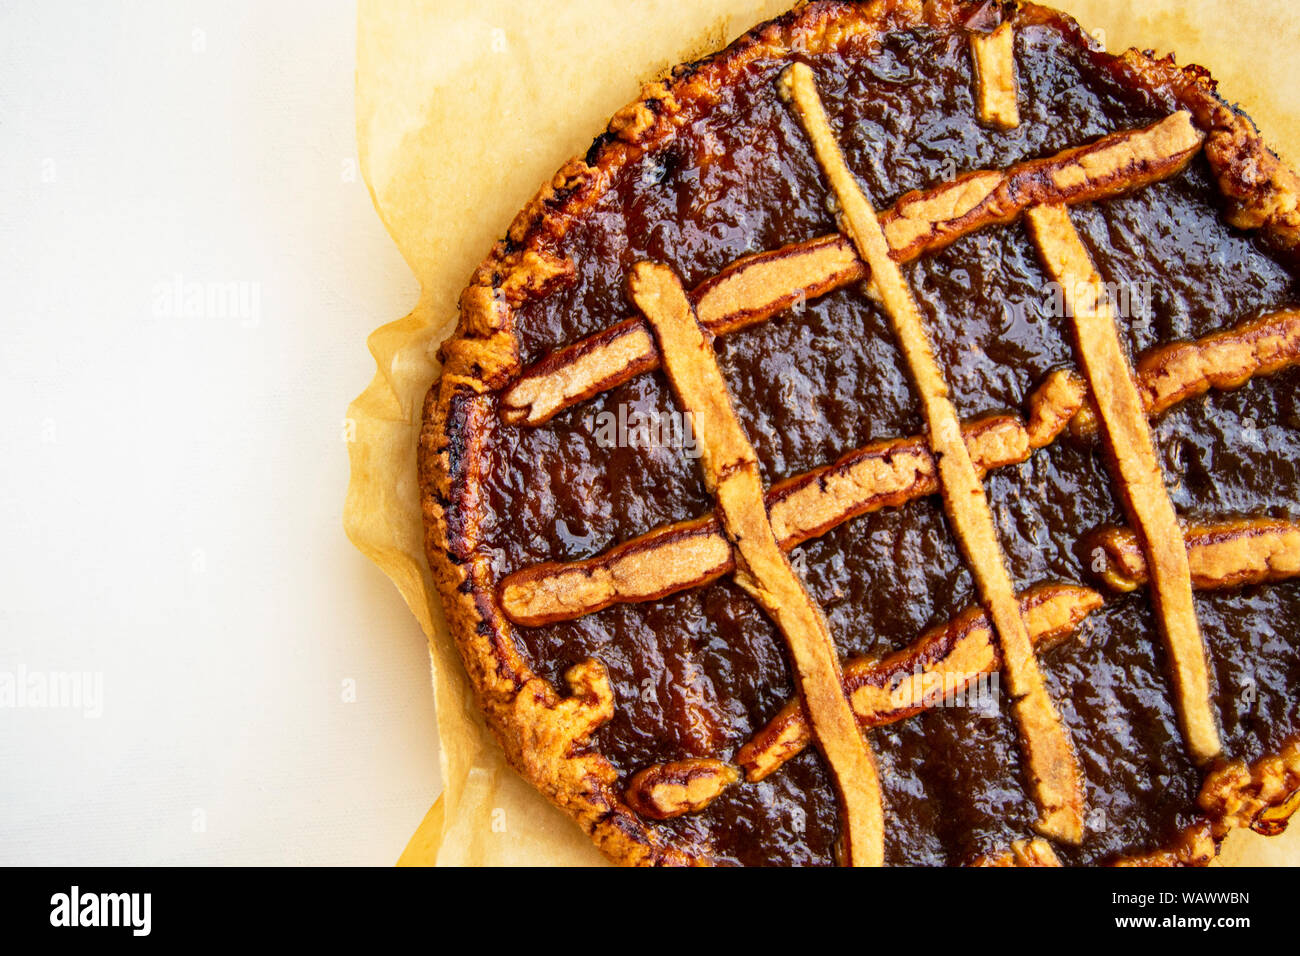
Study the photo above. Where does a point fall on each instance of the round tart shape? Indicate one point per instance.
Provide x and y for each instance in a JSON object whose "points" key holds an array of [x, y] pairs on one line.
{"points": [[884, 446]]}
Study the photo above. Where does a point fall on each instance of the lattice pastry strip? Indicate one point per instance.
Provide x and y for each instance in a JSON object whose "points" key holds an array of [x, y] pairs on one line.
{"points": [[1171, 374], [731, 473], [1229, 554], [1124, 426], [995, 76]]}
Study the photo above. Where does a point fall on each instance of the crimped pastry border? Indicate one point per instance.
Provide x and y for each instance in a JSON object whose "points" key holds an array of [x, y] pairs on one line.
{"points": [[546, 734]]}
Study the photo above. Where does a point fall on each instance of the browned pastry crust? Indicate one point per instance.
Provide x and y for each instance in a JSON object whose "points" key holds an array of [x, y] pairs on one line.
{"points": [[544, 731]]}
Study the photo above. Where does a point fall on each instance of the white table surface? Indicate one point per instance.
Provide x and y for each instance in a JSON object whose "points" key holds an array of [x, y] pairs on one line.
{"points": [[172, 471]]}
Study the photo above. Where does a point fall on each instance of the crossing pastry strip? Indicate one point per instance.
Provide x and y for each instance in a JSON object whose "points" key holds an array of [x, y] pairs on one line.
{"points": [[1172, 374], [755, 288], [693, 553], [1051, 763], [994, 56], [1123, 423], [1229, 554], [942, 664], [731, 473]]}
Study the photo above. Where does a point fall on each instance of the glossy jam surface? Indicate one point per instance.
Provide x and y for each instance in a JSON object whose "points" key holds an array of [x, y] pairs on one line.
{"points": [[697, 673]]}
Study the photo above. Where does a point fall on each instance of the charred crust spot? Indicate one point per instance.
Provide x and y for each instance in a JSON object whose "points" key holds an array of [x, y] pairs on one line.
{"points": [[593, 154], [455, 434]]}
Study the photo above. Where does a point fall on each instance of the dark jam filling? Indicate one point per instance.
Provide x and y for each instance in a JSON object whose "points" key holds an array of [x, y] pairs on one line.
{"points": [[697, 673]]}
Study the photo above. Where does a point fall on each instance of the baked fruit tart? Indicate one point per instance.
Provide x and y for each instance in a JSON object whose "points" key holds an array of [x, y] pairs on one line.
{"points": [[883, 446]]}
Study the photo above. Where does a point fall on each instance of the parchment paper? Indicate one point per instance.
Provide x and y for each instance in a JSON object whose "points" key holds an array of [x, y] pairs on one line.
{"points": [[463, 110]]}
